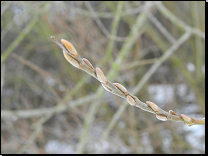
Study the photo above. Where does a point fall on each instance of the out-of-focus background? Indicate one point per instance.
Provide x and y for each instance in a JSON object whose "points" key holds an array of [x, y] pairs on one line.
{"points": [[48, 106]]}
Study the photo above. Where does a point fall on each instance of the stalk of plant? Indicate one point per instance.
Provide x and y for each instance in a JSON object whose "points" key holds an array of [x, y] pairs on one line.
{"points": [[73, 57]]}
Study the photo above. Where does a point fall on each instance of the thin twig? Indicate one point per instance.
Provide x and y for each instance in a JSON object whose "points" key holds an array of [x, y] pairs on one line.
{"points": [[115, 25], [106, 14], [59, 108], [102, 27], [34, 134], [22, 35], [121, 91], [45, 75], [177, 21], [162, 29], [139, 63], [42, 72]]}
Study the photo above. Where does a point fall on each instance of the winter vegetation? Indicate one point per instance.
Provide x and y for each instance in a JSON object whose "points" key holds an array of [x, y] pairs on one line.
{"points": [[149, 55]]}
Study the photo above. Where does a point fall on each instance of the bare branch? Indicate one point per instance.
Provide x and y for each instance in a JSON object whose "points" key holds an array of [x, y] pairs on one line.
{"points": [[59, 108], [102, 27], [116, 88], [177, 21]]}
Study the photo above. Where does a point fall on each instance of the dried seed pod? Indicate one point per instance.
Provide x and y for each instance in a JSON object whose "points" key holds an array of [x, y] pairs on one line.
{"points": [[131, 101], [106, 88], [71, 60], [122, 88], [153, 106], [69, 47], [172, 112], [186, 118], [88, 63], [101, 77], [161, 117]]}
